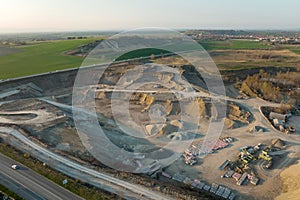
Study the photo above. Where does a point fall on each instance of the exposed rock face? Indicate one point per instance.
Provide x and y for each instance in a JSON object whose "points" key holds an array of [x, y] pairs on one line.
{"points": [[148, 102], [236, 116], [158, 93]]}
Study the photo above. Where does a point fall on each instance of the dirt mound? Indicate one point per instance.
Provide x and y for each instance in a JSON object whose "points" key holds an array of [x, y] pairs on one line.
{"points": [[237, 116], [177, 123], [181, 136], [229, 124], [256, 129], [290, 183], [153, 129], [278, 143], [163, 129]]}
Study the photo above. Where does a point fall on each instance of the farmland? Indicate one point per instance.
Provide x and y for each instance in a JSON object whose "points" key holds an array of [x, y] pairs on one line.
{"points": [[293, 48], [141, 53], [42, 57], [232, 44], [39, 57], [246, 59]]}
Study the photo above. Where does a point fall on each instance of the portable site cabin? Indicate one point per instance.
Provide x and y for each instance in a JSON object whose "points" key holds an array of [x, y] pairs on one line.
{"points": [[274, 115]]}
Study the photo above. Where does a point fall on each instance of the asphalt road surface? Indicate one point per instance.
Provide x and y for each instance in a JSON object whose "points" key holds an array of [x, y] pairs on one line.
{"points": [[134, 191], [30, 185]]}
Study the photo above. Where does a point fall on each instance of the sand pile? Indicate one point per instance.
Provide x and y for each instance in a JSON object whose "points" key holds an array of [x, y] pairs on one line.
{"points": [[278, 143], [290, 183]]}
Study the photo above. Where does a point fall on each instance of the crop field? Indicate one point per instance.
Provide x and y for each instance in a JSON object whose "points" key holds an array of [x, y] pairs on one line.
{"points": [[142, 53], [40, 57], [233, 44], [49, 56], [293, 48], [241, 59], [7, 50]]}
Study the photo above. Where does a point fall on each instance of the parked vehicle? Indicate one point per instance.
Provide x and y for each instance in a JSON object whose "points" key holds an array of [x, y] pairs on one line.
{"points": [[15, 167]]}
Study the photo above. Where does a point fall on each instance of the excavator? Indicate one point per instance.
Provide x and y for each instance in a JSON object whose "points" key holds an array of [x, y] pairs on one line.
{"points": [[265, 156]]}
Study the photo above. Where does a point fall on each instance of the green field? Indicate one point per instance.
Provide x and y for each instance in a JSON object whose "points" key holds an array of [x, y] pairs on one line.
{"points": [[40, 57], [210, 45], [293, 48], [141, 53], [207, 45], [49, 56]]}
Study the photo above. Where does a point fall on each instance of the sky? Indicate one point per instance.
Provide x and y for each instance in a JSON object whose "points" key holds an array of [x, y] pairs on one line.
{"points": [[89, 15]]}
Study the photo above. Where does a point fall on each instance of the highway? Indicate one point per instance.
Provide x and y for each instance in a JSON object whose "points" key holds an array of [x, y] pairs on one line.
{"points": [[30, 185], [133, 191]]}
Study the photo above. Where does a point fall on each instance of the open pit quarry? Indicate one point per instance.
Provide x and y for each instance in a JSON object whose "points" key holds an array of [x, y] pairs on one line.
{"points": [[40, 109]]}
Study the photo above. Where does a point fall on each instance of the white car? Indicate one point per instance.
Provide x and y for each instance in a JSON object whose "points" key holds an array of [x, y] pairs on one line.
{"points": [[15, 166]]}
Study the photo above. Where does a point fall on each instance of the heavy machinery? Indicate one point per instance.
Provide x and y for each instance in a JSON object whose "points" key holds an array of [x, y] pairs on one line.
{"points": [[265, 156], [268, 165], [247, 157]]}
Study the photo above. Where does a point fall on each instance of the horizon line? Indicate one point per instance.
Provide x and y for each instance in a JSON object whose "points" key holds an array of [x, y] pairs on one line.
{"points": [[176, 29]]}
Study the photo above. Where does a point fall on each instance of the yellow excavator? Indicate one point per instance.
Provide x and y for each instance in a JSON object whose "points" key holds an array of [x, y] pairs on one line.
{"points": [[265, 156]]}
